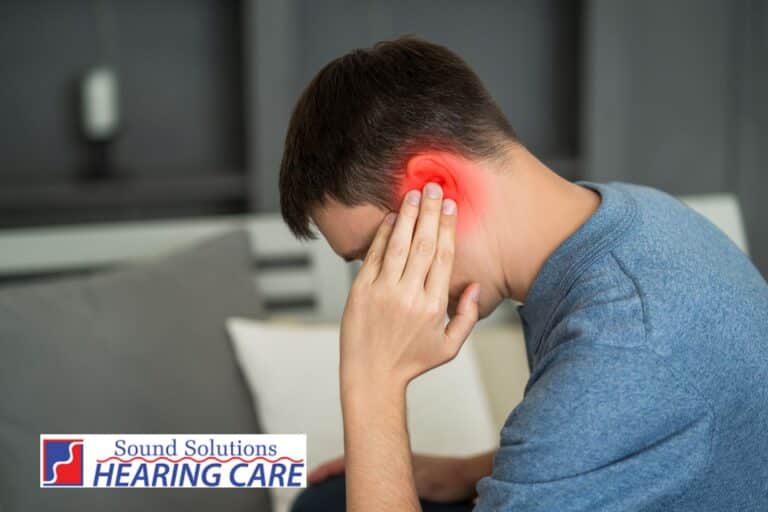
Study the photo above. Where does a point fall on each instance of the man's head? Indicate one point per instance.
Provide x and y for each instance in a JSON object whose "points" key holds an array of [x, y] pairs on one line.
{"points": [[375, 123]]}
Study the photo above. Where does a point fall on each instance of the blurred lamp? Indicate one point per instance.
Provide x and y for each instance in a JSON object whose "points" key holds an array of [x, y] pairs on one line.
{"points": [[99, 103]]}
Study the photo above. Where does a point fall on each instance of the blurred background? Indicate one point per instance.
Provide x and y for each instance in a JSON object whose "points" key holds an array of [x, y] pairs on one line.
{"points": [[119, 110], [139, 146]]}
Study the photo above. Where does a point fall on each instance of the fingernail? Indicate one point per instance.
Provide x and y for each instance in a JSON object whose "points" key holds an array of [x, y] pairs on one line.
{"points": [[433, 190], [449, 207], [413, 197], [390, 218], [475, 295]]}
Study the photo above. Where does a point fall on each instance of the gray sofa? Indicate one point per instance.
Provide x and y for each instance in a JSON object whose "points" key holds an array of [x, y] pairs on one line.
{"points": [[141, 349]]}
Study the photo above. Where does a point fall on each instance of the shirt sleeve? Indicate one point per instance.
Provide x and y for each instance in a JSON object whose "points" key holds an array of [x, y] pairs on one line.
{"points": [[602, 428]]}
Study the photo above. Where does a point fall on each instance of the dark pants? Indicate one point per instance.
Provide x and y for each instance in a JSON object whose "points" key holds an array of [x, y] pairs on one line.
{"points": [[329, 496]]}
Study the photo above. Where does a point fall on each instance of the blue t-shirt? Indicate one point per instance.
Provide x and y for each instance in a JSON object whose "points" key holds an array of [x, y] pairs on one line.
{"points": [[647, 339]]}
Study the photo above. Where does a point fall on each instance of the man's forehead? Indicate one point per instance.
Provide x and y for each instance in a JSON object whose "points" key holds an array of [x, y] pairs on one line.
{"points": [[348, 229]]}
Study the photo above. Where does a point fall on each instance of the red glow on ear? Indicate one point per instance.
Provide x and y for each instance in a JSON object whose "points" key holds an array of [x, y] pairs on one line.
{"points": [[458, 181]]}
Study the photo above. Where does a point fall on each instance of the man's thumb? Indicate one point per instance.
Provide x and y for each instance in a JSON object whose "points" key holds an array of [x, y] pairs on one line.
{"points": [[461, 324]]}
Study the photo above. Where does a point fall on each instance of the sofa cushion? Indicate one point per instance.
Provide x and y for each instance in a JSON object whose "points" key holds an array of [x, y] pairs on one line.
{"points": [[295, 370], [136, 350]]}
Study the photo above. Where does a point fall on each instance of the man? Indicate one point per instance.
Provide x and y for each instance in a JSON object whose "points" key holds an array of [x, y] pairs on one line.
{"points": [[646, 328]]}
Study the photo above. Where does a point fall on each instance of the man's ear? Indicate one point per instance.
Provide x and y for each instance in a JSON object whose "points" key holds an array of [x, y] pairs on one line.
{"points": [[424, 168]]}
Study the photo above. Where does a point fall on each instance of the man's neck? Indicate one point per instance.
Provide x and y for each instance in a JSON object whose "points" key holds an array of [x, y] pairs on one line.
{"points": [[546, 209]]}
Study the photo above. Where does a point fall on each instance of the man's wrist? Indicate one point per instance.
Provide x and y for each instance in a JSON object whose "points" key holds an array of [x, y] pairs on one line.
{"points": [[371, 386], [374, 399]]}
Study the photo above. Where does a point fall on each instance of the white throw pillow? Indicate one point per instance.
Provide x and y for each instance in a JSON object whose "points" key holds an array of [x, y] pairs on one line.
{"points": [[292, 371]]}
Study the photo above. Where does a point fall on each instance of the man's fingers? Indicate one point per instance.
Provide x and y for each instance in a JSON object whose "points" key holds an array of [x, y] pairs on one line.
{"points": [[425, 237], [400, 241], [467, 313], [326, 470], [371, 266], [439, 277]]}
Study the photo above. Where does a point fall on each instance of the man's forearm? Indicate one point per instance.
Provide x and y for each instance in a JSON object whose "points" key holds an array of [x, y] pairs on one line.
{"points": [[379, 474], [393, 330]]}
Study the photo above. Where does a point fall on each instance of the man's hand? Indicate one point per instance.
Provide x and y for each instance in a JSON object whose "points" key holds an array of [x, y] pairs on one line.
{"points": [[393, 328], [438, 479]]}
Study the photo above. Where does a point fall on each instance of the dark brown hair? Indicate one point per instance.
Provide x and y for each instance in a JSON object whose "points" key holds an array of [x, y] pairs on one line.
{"points": [[365, 113]]}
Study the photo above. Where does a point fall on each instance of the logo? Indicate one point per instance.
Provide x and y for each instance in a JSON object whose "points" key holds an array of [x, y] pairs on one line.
{"points": [[62, 462], [173, 461]]}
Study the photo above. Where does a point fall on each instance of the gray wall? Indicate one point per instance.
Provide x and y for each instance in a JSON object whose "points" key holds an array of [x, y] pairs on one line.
{"points": [[180, 87], [676, 97], [180, 149]]}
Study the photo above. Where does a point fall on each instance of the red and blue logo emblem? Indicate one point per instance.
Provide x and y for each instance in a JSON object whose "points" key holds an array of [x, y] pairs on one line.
{"points": [[62, 462]]}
